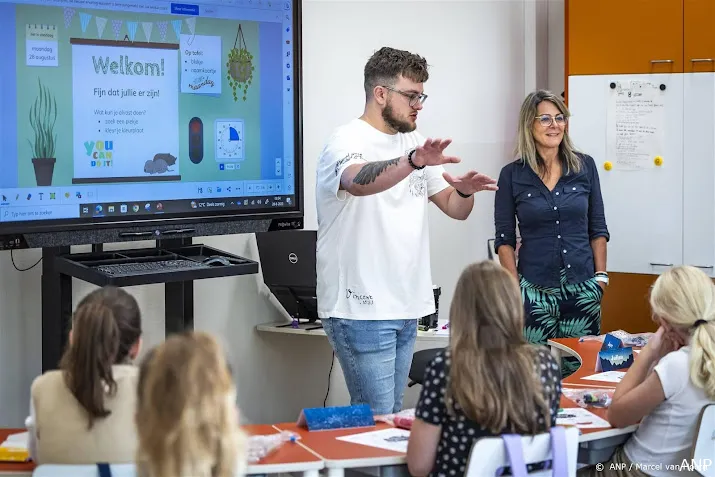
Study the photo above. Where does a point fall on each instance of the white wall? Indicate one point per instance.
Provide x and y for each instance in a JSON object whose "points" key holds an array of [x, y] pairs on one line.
{"points": [[477, 52]]}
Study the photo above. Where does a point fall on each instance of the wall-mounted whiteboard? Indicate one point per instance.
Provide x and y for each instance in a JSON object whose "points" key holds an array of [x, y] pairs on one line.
{"points": [[699, 171], [632, 125]]}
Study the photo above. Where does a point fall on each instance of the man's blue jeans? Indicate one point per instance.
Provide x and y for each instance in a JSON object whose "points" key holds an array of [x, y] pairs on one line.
{"points": [[375, 356]]}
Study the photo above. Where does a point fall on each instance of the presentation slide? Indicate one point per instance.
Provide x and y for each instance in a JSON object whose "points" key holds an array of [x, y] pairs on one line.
{"points": [[125, 111], [116, 96]]}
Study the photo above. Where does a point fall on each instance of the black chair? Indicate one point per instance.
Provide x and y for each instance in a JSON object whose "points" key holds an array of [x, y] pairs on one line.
{"points": [[420, 360]]}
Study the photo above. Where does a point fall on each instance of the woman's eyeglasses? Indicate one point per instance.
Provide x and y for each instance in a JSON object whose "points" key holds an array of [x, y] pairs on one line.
{"points": [[546, 120]]}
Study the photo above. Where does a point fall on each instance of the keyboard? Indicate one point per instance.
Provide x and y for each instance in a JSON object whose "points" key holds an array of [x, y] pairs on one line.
{"points": [[144, 268]]}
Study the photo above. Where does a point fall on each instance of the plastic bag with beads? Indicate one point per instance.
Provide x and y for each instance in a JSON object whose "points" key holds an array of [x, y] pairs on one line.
{"points": [[589, 397], [260, 447], [638, 340]]}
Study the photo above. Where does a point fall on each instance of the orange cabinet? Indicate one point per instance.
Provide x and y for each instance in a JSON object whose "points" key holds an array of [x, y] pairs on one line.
{"points": [[699, 36], [626, 36]]}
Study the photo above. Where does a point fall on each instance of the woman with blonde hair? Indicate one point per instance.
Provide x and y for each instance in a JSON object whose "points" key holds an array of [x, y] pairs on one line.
{"points": [[488, 382], [670, 381], [554, 193], [186, 419]]}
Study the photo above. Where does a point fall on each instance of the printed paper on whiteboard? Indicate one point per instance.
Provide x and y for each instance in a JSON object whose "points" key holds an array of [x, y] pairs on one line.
{"points": [[608, 376], [635, 128], [390, 439]]}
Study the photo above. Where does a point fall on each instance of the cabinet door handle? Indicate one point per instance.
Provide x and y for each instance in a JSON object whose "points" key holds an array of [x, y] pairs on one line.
{"points": [[661, 61], [702, 60], [661, 264], [704, 266]]}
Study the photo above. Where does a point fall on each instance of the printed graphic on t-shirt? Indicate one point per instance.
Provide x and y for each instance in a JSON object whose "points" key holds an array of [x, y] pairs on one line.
{"points": [[418, 183], [359, 298], [349, 157]]}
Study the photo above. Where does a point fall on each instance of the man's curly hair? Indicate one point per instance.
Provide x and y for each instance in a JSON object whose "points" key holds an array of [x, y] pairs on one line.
{"points": [[387, 64]]}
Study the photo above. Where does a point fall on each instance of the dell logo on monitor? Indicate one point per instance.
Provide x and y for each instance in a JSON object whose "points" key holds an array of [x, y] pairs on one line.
{"points": [[292, 258]]}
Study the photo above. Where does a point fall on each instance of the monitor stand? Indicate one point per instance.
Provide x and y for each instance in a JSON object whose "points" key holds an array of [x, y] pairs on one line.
{"points": [[60, 267], [297, 306]]}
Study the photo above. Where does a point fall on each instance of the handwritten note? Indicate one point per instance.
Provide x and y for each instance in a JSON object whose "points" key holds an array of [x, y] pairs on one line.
{"points": [[635, 128]]}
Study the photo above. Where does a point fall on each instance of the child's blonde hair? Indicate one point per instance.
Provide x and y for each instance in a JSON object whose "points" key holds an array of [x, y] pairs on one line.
{"points": [[492, 375], [187, 420], [684, 297]]}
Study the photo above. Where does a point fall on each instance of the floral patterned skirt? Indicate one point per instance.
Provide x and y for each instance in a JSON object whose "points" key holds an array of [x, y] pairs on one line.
{"points": [[570, 310]]}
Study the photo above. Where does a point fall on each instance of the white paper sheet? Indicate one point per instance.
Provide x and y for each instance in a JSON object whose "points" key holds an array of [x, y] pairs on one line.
{"points": [[635, 125], [581, 418], [16, 441], [390, 439], [608, 376]]}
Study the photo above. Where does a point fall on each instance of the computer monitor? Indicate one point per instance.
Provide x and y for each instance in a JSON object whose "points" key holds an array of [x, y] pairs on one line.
{"points": [[289, 270], [132, 114]]}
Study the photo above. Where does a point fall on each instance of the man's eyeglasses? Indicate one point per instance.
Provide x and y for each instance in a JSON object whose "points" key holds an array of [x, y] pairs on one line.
{"points": [[413, 97], [545, 120]]}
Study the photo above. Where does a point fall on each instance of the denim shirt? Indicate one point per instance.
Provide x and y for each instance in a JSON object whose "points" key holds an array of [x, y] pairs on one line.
{"points": [[556, 227]]}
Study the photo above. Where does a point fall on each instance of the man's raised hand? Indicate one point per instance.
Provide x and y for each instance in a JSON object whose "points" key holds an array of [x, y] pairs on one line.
{"points": [[431, 153]]}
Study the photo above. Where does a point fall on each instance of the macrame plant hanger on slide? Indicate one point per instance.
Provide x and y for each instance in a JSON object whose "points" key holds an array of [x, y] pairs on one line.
{"points": [[240, 66]]}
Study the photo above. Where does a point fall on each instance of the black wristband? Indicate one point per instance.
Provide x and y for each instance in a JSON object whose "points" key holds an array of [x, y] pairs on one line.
{"points": [[464, 196], [409, 160]]}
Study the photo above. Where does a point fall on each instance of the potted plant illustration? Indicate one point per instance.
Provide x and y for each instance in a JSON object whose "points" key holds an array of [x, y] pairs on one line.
{"points": [[240, 66], [43, 116]]}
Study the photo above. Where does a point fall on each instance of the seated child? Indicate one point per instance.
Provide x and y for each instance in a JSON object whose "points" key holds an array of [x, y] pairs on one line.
{"points": [[670, 381], [186, 419], [488, 382], [83, 412]]}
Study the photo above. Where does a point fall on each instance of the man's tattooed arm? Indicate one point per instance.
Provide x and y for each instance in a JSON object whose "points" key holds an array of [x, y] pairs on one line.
{"points": [[369, 172], [374, 177]]}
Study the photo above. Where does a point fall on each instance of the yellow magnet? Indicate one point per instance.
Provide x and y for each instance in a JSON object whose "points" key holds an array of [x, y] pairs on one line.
{"points": [[658, 161], [607, 165]]}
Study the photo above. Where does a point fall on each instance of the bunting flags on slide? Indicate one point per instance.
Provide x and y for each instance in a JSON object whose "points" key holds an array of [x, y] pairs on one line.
{"points": [[84, 20], [132, 26], [132, 29], [162, 30], [69, 15], [147, 27], [101, 23], [177, 27], [191, 23], [117, 28]]}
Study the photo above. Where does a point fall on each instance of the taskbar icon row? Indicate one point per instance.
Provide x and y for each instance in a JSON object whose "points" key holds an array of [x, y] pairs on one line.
{"points": [[119, 209]]}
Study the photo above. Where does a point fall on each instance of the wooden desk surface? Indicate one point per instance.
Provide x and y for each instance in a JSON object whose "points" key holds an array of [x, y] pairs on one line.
{"points": [[290, 457], [339, 453], [14, 467]]}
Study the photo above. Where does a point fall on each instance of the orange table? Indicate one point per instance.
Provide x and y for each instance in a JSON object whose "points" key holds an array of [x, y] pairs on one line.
{"points": [[586, 352], [340, 455], [14, 468], [291, 457], [597, 444]]}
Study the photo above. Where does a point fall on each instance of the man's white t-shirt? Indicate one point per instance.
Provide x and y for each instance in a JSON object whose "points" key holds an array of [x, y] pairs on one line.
{"points": [[664, 438], [373, 256]]}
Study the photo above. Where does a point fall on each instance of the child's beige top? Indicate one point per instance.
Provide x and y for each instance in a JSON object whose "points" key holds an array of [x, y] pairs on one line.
{"points": [[60, 423]]}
